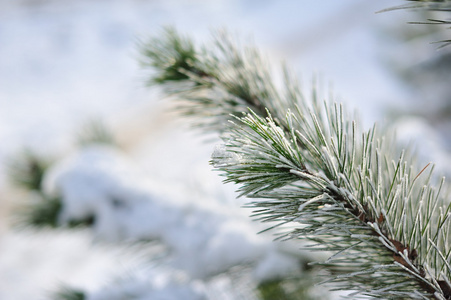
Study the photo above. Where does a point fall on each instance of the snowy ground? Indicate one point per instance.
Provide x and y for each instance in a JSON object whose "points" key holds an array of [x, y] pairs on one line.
{"points": [[63, 62]]}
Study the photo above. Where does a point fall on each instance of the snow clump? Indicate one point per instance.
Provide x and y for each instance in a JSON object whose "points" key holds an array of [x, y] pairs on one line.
{"points": [[203, 238]]}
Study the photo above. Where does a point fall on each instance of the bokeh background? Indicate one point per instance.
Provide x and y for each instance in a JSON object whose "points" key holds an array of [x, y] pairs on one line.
{"points": [[64, 63]]}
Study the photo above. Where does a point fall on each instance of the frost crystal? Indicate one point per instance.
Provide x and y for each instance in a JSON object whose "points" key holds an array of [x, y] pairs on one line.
{"points": [[221, 157]]}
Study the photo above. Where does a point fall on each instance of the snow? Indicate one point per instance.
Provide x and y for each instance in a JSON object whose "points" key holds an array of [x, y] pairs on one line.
{"points": [[137, 289], [203, 239], [36, 262], [64, 62], [221, 157]]}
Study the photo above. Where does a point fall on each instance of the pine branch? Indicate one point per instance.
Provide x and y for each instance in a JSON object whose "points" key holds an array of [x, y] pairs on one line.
{"points": [[432, 5], [310, 168], [217, 83], [443, 6]]}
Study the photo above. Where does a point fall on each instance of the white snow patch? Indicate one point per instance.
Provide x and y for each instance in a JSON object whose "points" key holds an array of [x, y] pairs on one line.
{"points": [[221, 157], [33, 263], [204, 238], [146, 290], [276, 264]]}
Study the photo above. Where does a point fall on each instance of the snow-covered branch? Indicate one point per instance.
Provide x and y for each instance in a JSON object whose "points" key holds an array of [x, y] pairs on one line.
{"points": [[311, 167]]}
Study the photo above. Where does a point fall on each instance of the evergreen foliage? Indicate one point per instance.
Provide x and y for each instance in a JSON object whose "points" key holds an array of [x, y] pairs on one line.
{"points": [[312, 171], [66, 293], [27, 170], [41, 213], [44, 211], [292, 288], [440, 6], [95, 132]]}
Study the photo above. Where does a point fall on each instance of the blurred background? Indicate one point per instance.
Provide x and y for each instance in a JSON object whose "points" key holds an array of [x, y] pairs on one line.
{"points": [[69, 73]]}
